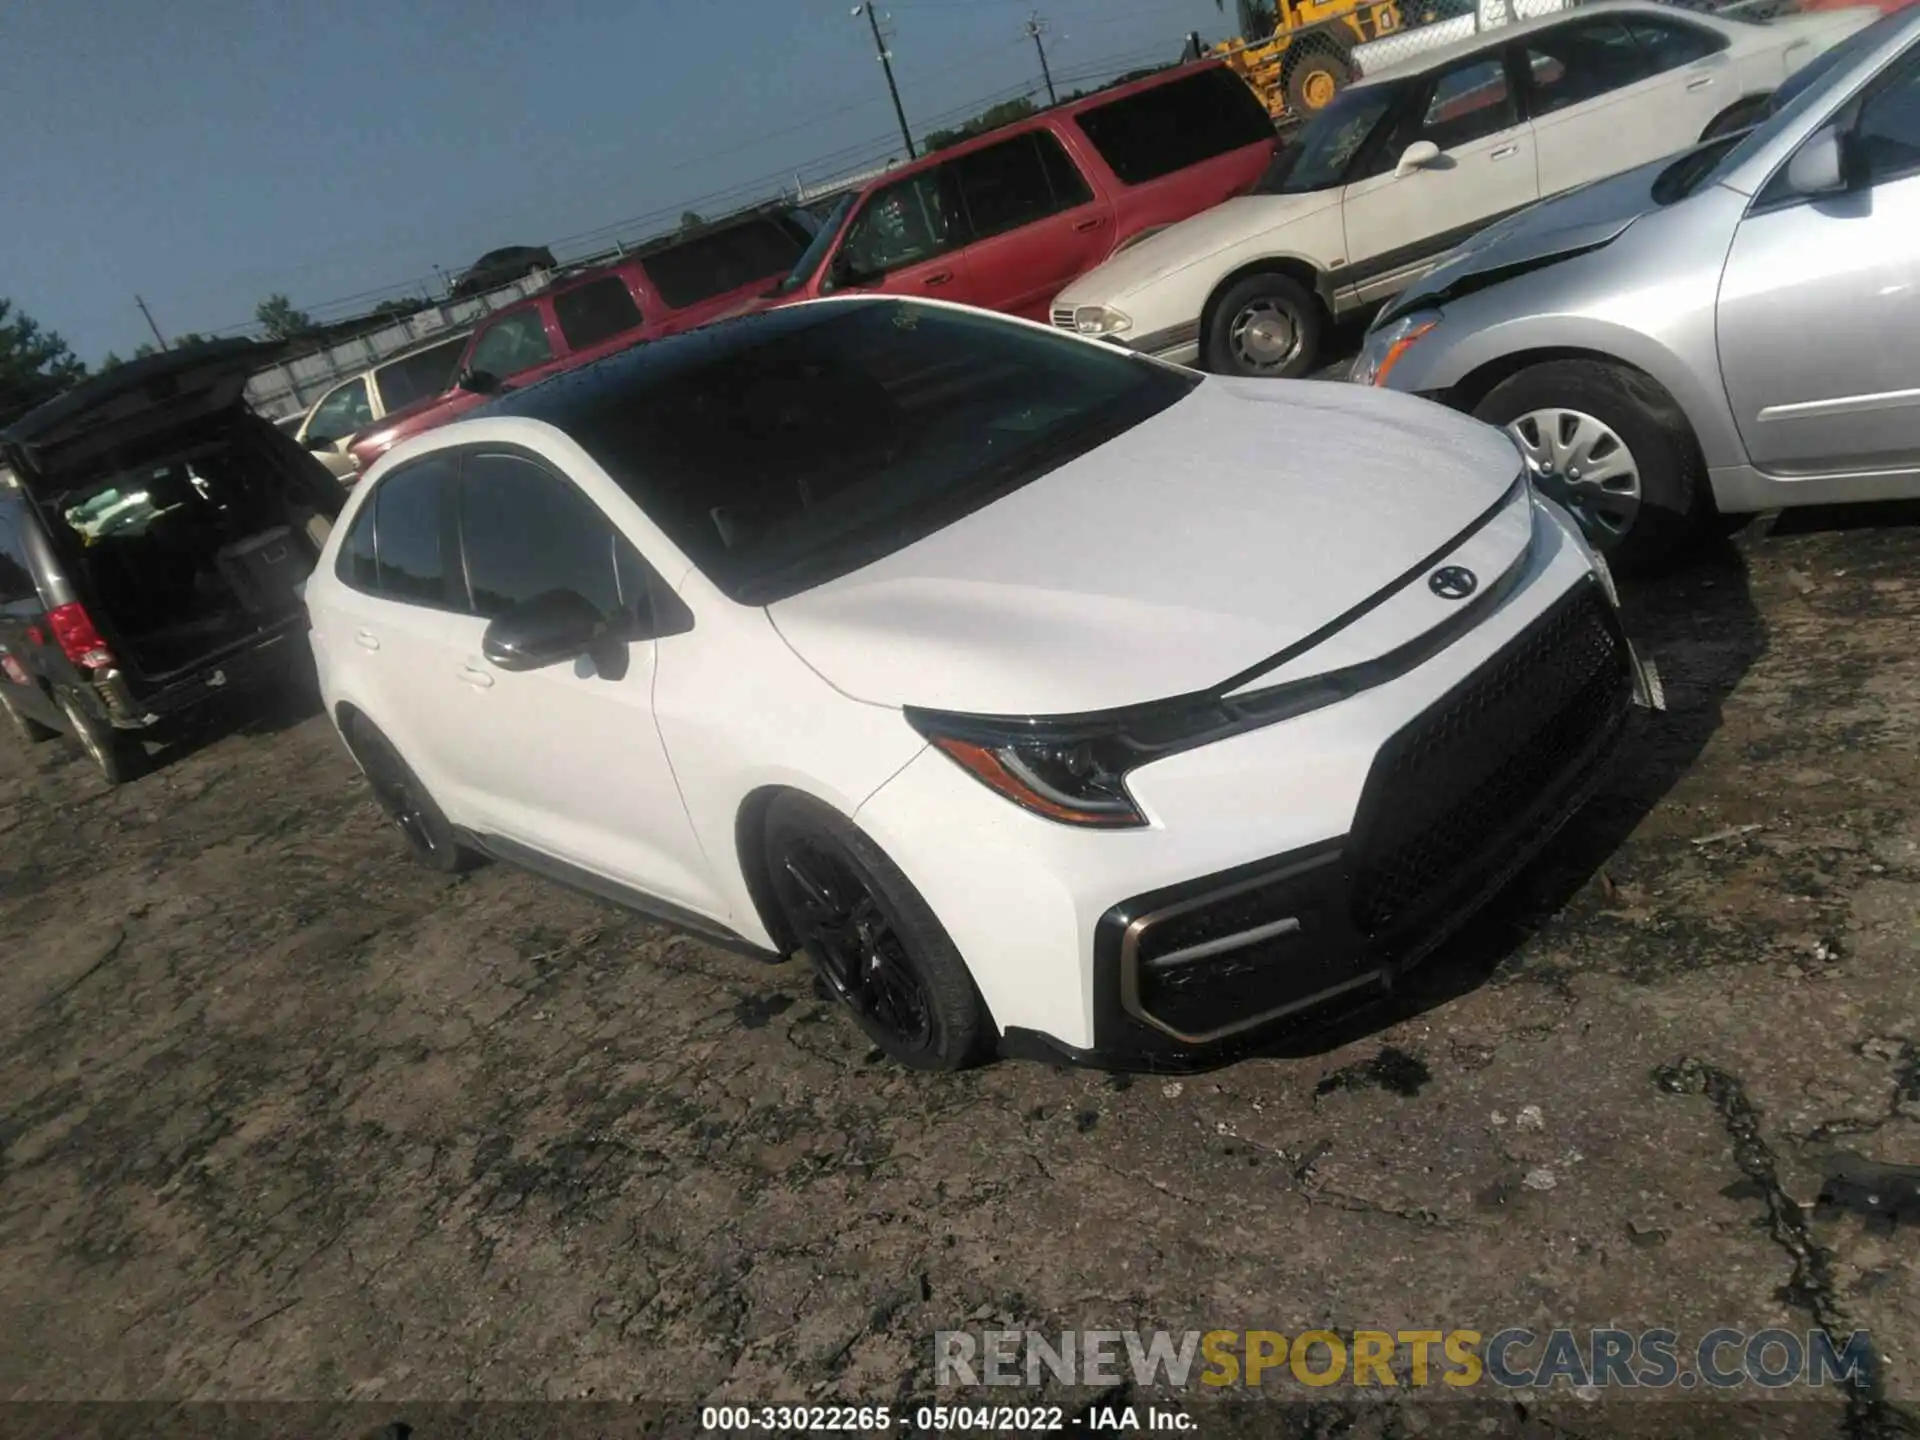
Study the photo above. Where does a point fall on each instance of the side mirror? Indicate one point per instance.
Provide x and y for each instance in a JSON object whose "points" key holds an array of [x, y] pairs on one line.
{"points": [[559, 625], [1417, 156], [480, 382], [1819, 167]]}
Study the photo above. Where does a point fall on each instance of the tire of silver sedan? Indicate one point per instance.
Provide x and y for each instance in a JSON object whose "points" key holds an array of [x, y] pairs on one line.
{"points": [[1264, 325], [877, 946], [1610, 445], [429, 838]]}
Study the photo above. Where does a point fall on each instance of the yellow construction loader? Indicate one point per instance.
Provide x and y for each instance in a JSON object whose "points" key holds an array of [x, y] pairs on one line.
{"points": [[1296, 54]]}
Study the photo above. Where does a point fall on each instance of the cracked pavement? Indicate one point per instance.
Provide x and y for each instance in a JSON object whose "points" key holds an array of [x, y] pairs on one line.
{"points": [[281, 1117]]}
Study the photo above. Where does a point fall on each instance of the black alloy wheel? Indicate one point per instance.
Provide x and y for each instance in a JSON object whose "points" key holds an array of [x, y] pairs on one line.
{"points": [[397, 790], [875, 943], [861, 957]]}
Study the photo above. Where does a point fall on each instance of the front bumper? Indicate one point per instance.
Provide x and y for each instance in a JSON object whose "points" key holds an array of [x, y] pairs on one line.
{"points": [[1455, 805], [1292, 812]]}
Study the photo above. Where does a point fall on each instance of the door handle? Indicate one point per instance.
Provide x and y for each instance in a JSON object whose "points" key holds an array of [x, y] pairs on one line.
{"points": [[1093, 223], [1504, 151], [1699, 82], [474, 676], [366, 639], [939, 277]]}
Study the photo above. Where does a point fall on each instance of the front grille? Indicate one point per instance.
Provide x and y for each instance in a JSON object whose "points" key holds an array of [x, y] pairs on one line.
{"points": [[1063, 317], [1474, 772]]}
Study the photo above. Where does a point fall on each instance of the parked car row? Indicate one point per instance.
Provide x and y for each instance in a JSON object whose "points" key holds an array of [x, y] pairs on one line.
{"points": [[1054, 699]]}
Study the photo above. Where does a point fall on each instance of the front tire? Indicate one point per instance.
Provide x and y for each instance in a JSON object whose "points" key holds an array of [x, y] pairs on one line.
{"points": [[118, 756], [872, 938], [423, 826], [1614, 448], [1266, 326]]}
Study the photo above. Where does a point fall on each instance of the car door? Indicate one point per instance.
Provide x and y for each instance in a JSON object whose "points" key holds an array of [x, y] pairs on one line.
{"points": [[1612, 91], [1819, 309], [907, 239], [1035, 221], [343, 412], [1397, 225], [398, 629], [565, 761]]}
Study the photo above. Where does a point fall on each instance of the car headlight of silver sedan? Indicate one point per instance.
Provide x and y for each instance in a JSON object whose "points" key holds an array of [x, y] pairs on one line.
{"points": [[1100, 320], [1385, 344]]}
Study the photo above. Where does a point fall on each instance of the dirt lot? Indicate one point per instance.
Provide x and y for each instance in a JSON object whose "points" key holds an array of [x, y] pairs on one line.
{"points": [[281, 1117]]}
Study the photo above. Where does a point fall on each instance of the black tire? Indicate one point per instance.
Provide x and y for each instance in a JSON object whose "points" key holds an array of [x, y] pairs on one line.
{"points": [[1673, 500], [1266, 326], [1319, 73], [423, 826], [29, 729], [875, 943], [118, 756]]}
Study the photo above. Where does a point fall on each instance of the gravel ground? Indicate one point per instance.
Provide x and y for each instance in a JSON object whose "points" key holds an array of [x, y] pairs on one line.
{"points": [[281, 1117]]}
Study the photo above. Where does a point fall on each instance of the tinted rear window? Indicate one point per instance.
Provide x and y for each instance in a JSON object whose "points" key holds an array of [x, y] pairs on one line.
{"points": [[710, 265], [16, 580], [1172, 126]]}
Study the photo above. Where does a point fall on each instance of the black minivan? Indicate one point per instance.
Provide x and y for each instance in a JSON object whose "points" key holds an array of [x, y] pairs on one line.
{"points": [[154, 535]]}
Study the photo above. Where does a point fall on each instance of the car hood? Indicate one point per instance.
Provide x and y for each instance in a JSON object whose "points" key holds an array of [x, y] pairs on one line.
{"points": [[1231, 223], [1571, 224], [1228, 528]]}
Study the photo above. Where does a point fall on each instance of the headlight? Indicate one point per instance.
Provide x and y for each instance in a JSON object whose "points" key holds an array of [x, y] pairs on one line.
{"points": [[1100, 320], [1385, 345], [1070, 773]]}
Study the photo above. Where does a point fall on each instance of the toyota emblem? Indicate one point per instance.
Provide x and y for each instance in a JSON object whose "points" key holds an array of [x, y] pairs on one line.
{"points": [[1453, 582]]}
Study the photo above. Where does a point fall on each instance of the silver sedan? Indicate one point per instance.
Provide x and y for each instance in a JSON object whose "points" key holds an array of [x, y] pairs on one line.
{"points": [[1731, 330]]}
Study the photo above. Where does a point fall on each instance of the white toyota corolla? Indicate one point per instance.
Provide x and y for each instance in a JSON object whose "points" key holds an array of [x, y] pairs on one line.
{"points": [[1055, 700]]}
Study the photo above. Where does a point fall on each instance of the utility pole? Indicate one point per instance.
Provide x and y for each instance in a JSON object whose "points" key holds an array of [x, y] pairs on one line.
{"points": [[1036, 27], [158, 338], [886, 64]]}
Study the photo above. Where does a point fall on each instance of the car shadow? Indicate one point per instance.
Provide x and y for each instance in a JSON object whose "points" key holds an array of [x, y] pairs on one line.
{"points": [[281, 704], [1702, 632]]}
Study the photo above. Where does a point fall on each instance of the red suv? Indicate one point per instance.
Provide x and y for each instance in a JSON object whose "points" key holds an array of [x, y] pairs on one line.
{"points": [[1007, 220], [661, 289]]}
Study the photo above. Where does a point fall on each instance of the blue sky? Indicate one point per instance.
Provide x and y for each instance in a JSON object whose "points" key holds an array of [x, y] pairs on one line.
{"points": [[205, 153]]}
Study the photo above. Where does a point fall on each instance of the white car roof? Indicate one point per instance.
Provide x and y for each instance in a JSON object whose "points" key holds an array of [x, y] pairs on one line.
{"points": [[1442, 55]]}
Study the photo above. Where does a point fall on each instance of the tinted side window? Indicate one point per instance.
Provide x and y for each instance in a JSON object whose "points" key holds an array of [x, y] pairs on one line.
{"points": [[524, 531], [16, 578], [357, 566], [903, 224], [596, 311], [511, 344], [1009, 185], [1582, 62], [1887, 134], [409, 517], [712, 264], [1669, 44], [423, 373], [1172, 126], [1468, 103]]}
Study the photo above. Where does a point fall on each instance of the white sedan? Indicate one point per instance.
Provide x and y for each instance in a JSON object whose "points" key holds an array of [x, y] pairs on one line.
{"points": [[1048, 697], [1410, 161]]}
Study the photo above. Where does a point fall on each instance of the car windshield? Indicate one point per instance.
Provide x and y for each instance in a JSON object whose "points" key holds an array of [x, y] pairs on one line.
{"points": [[811, 258], [1318, 157], [1808, 88], [783, 450]]}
